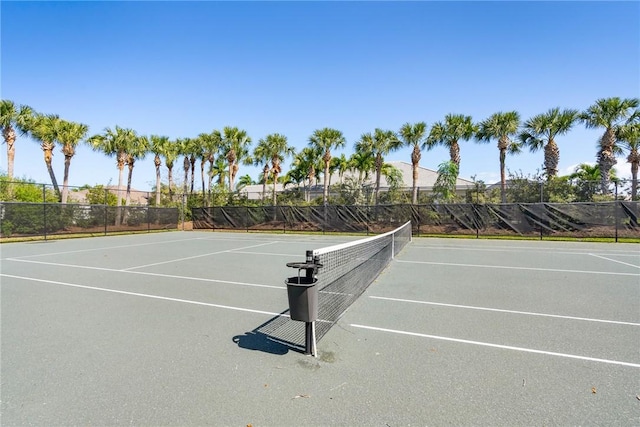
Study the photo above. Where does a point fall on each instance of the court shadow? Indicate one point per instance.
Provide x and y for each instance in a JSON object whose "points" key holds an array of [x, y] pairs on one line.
{"points": [[278, 335], [260, 342]]}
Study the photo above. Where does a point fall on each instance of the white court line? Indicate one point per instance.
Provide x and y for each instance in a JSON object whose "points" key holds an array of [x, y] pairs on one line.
{"points": [[106, 248], [196, 256], [146, 273], [523, 250], [614, 260], [528, 313], [504, 267], [265, 253], [93, 288], [500, 346]]}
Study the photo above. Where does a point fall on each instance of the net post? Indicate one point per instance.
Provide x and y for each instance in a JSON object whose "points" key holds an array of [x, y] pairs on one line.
{"points": [[310, 327]]}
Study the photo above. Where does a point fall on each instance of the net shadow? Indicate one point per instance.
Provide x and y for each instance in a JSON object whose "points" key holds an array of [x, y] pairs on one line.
{"points": [[278, 335]]}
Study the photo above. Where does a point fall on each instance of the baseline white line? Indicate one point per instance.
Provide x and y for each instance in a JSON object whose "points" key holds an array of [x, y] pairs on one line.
{"points": [[504, 267], [500, 346], [528, 313], [93, 288], [615, 260], [146, 273], [195, 256]]}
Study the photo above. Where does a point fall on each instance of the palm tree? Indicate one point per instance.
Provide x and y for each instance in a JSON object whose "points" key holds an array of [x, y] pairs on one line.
{"points": [[455, 127], [46, 130], [211, 145], [324, 140], [136, 150], [304, 165], [10, 120], [501, 126], [69, 136], [236, 145], [341, 164], [414, 135], [184, 145], [608, 113], [381, 143], [273, 148], [115, 142], [629, 137], [363, 162], [158, 146], [171, 152], [261, 156], [219, 169], [541, 130]]}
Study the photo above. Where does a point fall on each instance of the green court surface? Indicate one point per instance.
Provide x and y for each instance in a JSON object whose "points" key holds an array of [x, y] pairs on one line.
{"points": [[161, 329]]}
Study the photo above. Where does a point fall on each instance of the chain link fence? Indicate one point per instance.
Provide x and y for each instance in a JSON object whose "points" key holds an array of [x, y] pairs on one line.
{"points": [[34, 210]]}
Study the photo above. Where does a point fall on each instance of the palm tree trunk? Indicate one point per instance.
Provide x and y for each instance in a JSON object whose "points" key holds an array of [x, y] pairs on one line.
{"points": [[275, 181], [157, 162], [65, 179], [170, 178], [186, 165], [47, 148], [128, 195], [119, 199], [502, 147], [634, 159], [551, 158], [378, 173], [202, 162], [192, 161], [325, 194], [9, 135], [265, 177], [415, 160], [454, 153], [606, 158]]}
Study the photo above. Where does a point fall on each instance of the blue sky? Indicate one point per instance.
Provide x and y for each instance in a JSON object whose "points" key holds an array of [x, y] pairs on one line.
{"points": [[182, 68]]}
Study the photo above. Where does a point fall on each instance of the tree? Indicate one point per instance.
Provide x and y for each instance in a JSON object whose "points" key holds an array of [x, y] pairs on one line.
{"points": [[171, 152], [608, 113], [273, 148], [455, 127], [115, 142], [12, 119], [341, 164], [235, 143], [381, 143], [69, 136], [414, 135], [325, 140], [158, 147], [305, 166], [46, 130], [445, 185], [629, 138], [211, 145], [541, 130], [585, 178], [501, 126], [136, 150]]}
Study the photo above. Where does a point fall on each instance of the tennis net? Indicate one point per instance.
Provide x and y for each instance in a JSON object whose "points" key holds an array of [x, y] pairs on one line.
{"points": [[349, 268]]}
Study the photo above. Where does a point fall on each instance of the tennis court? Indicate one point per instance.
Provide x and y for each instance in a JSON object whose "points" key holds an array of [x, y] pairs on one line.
{"points": [[165, 329]]}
